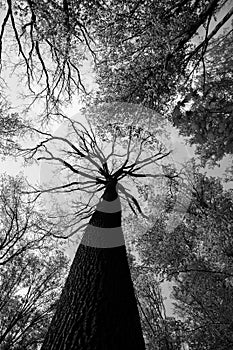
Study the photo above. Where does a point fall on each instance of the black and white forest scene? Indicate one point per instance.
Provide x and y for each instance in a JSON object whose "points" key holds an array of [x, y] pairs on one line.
{"points": [[116, 175]]}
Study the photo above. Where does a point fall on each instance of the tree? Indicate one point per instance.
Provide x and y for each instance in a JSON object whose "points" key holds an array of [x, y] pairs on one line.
{"points": [[197, 258], [203, 298], [11, 127], [97, 308], [52, 39], [205, 113], [85, 153], [23, 224], [30, 264], [206, 226], [160, 331], [141, 50], [29, 285], [148, 49]]}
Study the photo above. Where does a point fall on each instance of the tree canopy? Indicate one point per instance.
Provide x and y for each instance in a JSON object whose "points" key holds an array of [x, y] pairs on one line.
{"points": [[208, 119], [52, 39], [197, 257], [90, 160], [150, 48], [32, 266], [30, 285]]}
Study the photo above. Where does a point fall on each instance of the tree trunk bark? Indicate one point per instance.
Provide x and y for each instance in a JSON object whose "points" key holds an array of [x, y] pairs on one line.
{"points": [[97, 309]]}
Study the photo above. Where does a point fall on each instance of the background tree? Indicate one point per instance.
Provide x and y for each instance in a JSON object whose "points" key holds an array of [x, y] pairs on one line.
{"points": [[197, 258], [23, 224], [160, 331], [205, 114], [159, 37], [52, 39], [11, 127], [30, 284], [147, 48], [204, 300], [32, 266]]}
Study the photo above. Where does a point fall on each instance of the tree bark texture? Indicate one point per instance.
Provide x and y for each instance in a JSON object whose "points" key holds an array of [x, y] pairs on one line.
{"points": [[97, 309]]}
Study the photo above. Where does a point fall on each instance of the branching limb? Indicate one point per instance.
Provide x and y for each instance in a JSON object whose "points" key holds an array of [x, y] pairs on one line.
{"points": [[131, 200], [210, 36]]}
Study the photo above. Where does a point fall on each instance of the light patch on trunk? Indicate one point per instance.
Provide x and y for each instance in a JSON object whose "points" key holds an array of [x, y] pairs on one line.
{"points": [[103, 237], [109, 207]]}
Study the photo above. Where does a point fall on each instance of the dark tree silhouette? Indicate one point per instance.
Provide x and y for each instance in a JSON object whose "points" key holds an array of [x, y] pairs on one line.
{"points": [[97, 308]]}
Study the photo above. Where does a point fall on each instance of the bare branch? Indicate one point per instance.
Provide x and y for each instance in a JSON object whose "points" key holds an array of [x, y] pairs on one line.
{"points": [[3, 28], [211, 35], [129, 155]]}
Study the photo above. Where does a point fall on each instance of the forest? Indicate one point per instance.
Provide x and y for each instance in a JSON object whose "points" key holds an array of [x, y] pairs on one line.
{"points": [[125, 103]]}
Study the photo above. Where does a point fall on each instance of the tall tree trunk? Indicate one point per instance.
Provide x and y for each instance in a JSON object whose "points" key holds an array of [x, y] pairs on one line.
{"points": [[97, 309]]}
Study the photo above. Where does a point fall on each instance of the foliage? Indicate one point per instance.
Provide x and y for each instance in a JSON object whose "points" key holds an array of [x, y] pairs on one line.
{"points": [[30, 283], [32, 268], [205, 231], [197, 258], [160, 331], [23, 224], [111, 118], [146, 48], [204, 299], [90, 163], [145, 53], [11, 128], [52, 39], [205, 114], [141, 50]]}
